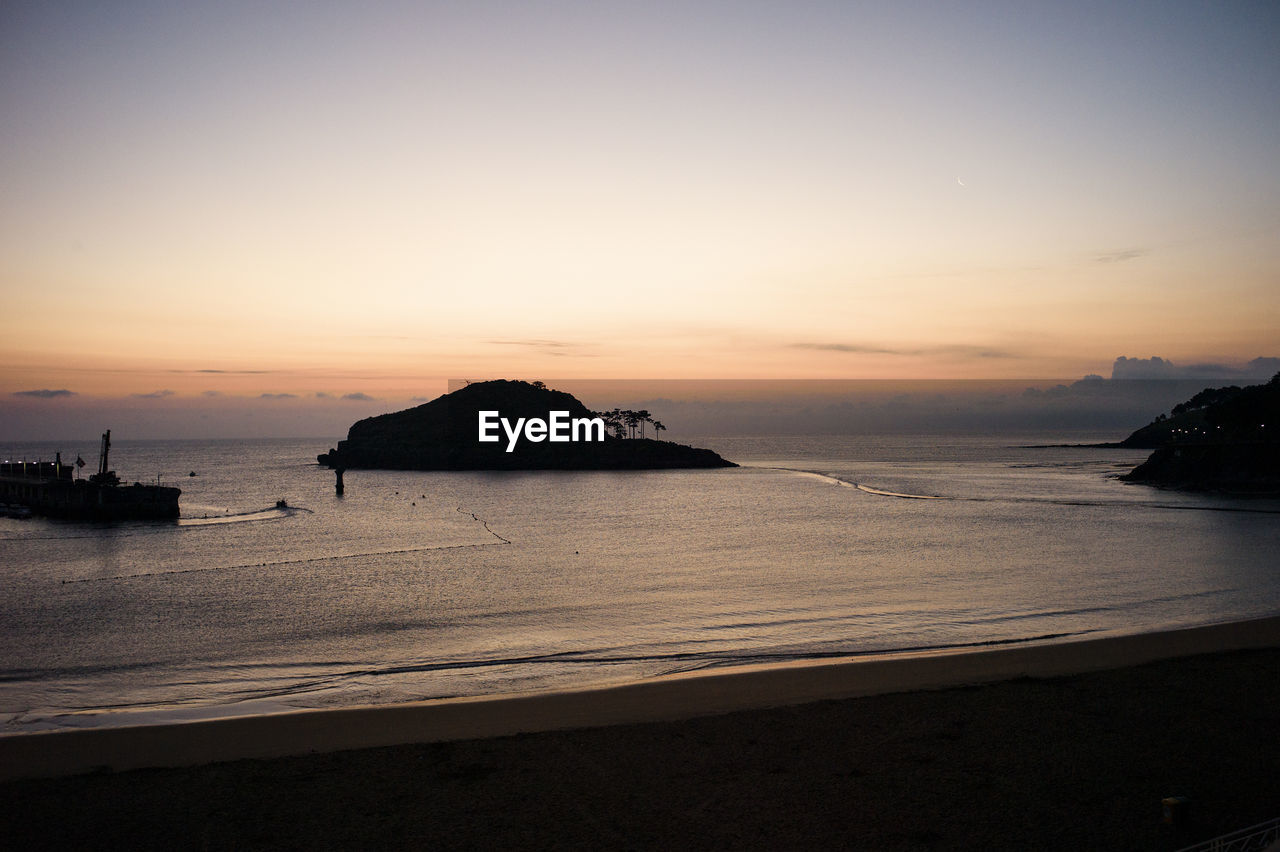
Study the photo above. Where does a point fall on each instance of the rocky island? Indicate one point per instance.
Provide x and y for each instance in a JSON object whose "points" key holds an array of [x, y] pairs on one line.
{"points": [[530, 427], [1222, 439]]}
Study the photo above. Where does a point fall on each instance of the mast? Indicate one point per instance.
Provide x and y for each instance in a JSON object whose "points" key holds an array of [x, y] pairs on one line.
{"points": [[102, 454]]}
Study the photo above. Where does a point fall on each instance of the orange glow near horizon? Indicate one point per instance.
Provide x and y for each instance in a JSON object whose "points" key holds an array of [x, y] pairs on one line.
{"points": [[366, 203]]}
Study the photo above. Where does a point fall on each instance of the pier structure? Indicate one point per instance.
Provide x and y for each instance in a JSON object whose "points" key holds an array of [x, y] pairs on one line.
{"points": [[49, 488]]}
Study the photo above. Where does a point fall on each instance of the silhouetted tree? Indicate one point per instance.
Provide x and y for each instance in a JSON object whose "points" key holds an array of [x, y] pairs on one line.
{"points": [[623, 422]]}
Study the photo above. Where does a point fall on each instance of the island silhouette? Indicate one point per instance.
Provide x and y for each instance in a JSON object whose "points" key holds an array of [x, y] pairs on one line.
{"points": [[1222, 439], [443, 434]]}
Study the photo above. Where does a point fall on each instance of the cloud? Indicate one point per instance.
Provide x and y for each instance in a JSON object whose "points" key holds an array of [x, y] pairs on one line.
{"points": [[1120, 256], [323, 395], [224, 372], [358, 397], [160, 394], [45, 393], [543, 344], [1263, 367], [213, 393], [1142, 368], [278, 396], [957, 406], [848, 347], [1160, 368], [546, 347], [952, 350]]}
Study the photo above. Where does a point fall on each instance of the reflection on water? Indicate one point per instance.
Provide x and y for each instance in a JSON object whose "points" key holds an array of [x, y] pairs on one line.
{"points": [[421, 585]]}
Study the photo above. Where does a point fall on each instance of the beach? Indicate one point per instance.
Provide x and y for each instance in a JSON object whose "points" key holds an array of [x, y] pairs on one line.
{"points": [[1066, 745]]}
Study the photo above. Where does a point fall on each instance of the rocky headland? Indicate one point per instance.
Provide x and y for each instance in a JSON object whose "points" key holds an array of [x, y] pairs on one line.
{"points": [[443, 434], [1222, 439]]}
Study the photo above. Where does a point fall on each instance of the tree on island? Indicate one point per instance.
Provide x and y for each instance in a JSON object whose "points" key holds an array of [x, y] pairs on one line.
{"points": [[624, 422], [614, 420]]}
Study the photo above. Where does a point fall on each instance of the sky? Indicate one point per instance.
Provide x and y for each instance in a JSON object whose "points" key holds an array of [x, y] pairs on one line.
{"points": [[326, 210]]}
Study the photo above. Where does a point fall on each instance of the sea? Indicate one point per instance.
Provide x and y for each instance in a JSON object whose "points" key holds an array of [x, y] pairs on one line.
{"points": [[422, 585]]}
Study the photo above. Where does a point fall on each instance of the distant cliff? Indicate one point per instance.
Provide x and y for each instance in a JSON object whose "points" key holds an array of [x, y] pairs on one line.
{"points": [[1224, 439], [444, 435]]}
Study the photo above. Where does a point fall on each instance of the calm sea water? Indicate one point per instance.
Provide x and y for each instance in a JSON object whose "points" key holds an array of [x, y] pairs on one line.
{"points": [[423, 585]]}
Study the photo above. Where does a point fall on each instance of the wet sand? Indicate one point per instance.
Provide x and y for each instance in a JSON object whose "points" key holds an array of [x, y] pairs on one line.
{"points": [[1041, 756]]}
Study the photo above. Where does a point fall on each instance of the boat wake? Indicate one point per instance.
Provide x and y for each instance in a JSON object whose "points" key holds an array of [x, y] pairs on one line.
{"points": [[867, 489], [1137, 504], [816, 475], [309, 559], [271, 513], [844, 483]]}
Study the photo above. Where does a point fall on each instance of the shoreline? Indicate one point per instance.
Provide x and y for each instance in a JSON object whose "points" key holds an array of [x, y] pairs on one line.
{"points": [[669, 698]]}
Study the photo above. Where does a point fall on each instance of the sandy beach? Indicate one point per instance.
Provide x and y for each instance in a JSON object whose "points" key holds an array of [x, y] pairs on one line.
{"points": [[1068, 745]]}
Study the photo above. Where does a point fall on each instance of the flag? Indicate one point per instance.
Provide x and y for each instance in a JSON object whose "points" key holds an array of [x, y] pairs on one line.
{"points": [[79, 462]]}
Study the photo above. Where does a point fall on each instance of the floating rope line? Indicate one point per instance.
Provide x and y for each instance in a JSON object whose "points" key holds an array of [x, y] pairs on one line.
{"points": [[484, 523]]}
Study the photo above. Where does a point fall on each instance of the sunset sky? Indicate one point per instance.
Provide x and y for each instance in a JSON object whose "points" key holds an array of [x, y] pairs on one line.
{"points": [[318, 205]]}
